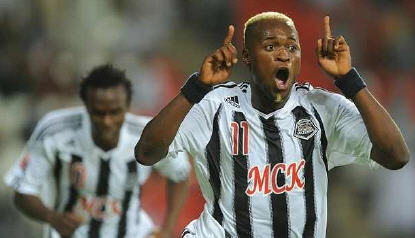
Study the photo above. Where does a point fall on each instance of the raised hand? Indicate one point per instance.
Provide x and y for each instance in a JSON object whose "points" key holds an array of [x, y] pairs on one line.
{"points": [[333, 54], [217, 67]]}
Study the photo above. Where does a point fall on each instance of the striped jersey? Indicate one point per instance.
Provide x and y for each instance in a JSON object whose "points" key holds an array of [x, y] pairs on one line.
{"points": [[63, 166], [265, 175]]}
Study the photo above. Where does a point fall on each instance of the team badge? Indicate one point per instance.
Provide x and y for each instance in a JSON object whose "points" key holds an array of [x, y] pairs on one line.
{"points": [[304, 129]]}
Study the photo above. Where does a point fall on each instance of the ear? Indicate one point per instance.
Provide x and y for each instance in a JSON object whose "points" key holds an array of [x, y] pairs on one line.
{"points": [[245, 57]]}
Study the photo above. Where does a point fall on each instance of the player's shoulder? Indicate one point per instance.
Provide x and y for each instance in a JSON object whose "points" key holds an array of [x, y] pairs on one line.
{"points": [[62, 114], [227, 90], [59, 120], [306, 91], [321, 99]]}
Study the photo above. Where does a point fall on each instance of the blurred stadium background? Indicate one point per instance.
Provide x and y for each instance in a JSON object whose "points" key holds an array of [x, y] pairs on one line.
{"points": [[46, 46]]}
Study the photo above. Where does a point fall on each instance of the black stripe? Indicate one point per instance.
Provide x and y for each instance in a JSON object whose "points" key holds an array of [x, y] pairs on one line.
{"points": [[186, 231], [57, 176], [305, 86], [130, 182], [73, 192], [225, 85], [213, 159], [307, 147], [101, 191], [240, 172], [275, 156], [323, 138]]}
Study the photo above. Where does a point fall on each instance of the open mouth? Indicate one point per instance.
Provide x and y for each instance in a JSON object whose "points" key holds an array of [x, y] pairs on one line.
{"points": [[281, 77], [282, 74]]}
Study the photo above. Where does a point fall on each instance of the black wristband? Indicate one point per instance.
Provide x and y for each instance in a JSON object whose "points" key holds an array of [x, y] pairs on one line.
{"points": [[194, 90], [350, 84]]}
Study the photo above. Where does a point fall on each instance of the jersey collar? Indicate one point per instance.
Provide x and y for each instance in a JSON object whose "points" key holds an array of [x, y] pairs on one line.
{"points": [[282, 112]]}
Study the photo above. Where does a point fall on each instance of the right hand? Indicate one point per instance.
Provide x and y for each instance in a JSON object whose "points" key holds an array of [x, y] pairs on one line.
{"points": [[65, 223], [217, 67]]}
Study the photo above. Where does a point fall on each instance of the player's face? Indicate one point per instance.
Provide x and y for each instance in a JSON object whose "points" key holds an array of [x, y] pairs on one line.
{"points": [[274, 59], [107, 108]]}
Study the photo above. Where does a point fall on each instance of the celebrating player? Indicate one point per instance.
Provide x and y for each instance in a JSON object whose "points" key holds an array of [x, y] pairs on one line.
{"points": [[263, 149], [79, 174]]}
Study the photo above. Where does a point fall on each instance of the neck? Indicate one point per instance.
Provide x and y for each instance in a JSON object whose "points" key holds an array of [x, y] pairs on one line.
{"points": [[105, 145], [266, 104]]}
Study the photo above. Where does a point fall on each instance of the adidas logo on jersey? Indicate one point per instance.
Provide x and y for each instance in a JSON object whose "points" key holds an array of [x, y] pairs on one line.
{"points": [[233, 100]]}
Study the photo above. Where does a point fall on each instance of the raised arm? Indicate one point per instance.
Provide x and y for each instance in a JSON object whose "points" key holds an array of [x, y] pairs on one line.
{"points": [[161, 130], [389, 147]]}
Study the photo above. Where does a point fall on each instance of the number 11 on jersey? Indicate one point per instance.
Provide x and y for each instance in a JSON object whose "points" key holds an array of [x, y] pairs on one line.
{"points": [[240, 138]]}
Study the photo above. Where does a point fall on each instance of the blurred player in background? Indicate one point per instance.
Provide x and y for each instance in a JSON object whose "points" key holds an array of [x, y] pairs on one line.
{"points": [[262, 149], [78, 173]]}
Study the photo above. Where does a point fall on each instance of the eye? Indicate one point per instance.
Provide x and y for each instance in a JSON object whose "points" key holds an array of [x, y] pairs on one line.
{"points": [[292, 48], [269, 47]]}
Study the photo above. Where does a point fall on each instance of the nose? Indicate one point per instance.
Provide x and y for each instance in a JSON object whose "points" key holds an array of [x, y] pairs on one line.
{"points": [[282, 55]]}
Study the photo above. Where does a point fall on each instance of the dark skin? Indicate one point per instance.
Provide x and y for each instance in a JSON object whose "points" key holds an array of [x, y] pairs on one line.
{"points": [[277, 46], [268, 48], [107, 108]]}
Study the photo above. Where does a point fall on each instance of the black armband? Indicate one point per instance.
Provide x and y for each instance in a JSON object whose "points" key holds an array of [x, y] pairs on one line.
{"points": [[350, 84], [194, 90]]}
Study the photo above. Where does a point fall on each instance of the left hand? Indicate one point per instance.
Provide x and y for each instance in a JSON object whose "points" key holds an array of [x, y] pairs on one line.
{"points": [[333, 54]]}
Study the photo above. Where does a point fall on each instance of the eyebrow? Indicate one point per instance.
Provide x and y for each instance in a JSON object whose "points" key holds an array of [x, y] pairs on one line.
{"points": [[273, 37]]}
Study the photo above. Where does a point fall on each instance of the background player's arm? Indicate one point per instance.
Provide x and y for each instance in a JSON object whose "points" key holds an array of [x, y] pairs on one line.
{"points": [[33, 207], [176, 170], [161, 130], [26, 197], [176, 192], [389, 147]]}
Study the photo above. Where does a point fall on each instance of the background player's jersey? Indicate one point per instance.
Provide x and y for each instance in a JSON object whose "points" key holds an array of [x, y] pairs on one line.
{"points": [[265, 175], [63, 166]]}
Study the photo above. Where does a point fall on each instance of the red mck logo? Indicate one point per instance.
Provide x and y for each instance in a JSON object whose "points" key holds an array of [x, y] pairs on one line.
{"points": [[99, 208], [260, 181]]}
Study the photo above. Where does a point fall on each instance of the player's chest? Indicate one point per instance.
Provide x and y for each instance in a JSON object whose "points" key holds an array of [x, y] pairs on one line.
{"points": [[90, 172], [248, 134], [267, 154]]}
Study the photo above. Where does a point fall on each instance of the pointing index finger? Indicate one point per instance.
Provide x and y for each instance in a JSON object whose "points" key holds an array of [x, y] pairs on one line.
{"points": [[327, 31], [229, 36]]}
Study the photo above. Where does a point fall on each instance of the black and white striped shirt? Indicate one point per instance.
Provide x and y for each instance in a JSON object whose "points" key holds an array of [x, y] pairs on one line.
{"points": [[265, 175], [63, 166]]}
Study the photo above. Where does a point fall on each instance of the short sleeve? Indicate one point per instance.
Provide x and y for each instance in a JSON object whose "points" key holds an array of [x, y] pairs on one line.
{"points": [[347, 137], [16, 173], [36, 174], [195, 130], [175, 168]]}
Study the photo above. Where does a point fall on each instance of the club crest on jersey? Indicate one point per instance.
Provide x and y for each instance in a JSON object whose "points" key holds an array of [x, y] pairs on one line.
{"points": [[304, 129], [233, 100]]}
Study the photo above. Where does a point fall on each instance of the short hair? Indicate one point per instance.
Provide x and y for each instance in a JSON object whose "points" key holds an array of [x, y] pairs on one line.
{"points": [[266, 16], [105, 76]]}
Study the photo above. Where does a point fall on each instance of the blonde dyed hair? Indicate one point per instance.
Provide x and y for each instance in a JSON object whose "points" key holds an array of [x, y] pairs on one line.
{"points": [[267, 16]]}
